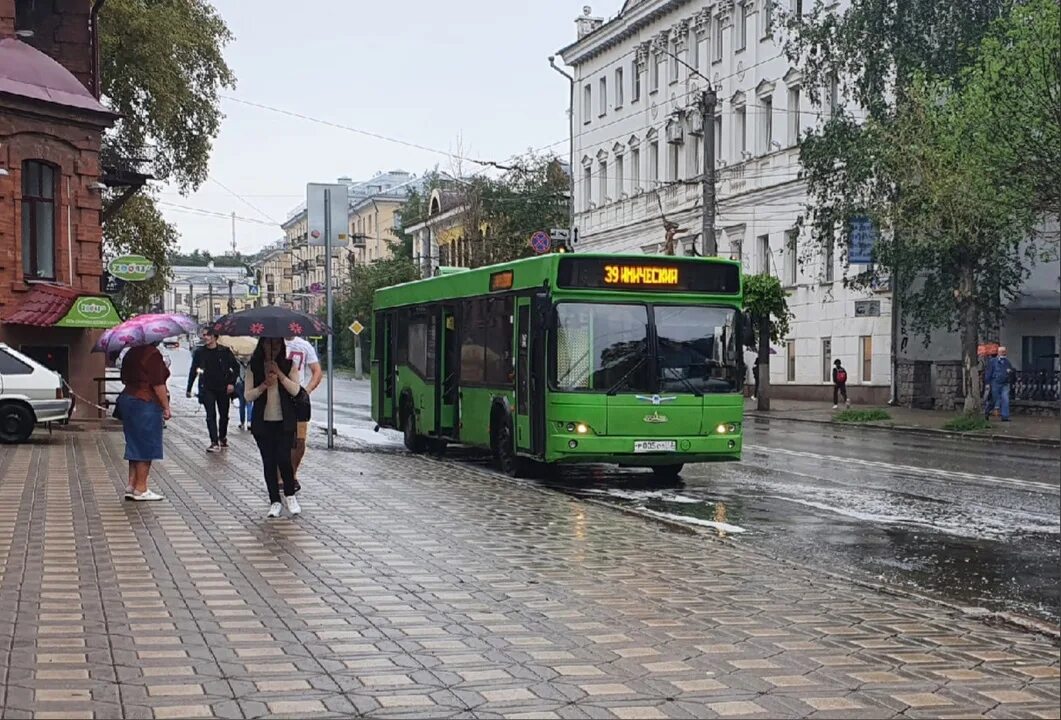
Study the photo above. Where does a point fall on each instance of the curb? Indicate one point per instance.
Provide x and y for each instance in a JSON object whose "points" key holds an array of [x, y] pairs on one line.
{"points": [[914, 430]]}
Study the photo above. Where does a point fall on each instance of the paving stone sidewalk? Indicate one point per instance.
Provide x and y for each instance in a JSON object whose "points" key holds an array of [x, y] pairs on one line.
{"points": [[415, 588]]}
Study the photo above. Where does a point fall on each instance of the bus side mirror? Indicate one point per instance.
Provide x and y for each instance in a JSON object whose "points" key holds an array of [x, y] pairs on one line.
{"points": [[748, 329]]}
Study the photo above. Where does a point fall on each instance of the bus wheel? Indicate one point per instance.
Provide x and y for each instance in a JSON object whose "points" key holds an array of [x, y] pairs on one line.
{"points": [[667, 472], [505, 451], [413, 443]]}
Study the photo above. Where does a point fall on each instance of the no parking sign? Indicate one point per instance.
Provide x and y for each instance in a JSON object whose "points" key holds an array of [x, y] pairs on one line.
{"points": [[541, 242]]}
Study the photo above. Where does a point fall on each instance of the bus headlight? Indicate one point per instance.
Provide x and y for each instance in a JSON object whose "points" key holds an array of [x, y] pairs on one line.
{"points": [[581, 428], [727, 428]]}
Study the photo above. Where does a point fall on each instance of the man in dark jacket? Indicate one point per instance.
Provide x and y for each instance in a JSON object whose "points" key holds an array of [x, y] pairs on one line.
{"points": [[217, 369], [839, 384], [999, 376]]}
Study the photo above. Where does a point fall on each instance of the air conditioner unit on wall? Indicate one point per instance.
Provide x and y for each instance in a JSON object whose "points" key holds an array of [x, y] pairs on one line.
{"points": [[675, 131]]}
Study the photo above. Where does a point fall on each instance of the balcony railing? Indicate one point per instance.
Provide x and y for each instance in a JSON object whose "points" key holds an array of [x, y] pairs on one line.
{"points": [[1037, 386]]}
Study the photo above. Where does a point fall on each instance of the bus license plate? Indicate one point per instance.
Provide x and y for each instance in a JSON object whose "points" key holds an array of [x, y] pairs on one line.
{"points": [[647, 446]]}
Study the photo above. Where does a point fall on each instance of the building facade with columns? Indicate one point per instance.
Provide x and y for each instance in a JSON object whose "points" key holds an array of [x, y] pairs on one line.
{"points": [[638, 148]]}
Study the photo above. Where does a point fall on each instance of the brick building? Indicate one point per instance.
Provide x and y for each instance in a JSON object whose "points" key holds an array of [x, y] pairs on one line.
{"points": [[51, 125]]}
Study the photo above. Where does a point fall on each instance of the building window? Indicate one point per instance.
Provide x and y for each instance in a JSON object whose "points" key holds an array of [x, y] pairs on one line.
{"points": [[653, 80], [741, 27], [620, 161], [618, 87], [38, 220], [827, 360], [587, 186], [602, 100], [718, 137], [672, 61], [717, 41], [694, 166], [767, 124], [793, 116], [791, 248], [790, 360], [1038, 353], [587, 103], [653, 164], [694, 51], [829, 258], [833, 95], [763, 242], [740, 135], [602, 182], [866, 356], [768, 19], [635, 82], [635, 169], [673, 150]]}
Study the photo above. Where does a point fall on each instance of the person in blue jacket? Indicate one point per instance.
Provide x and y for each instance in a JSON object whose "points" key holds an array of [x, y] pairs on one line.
{"points": [[998, 376]]}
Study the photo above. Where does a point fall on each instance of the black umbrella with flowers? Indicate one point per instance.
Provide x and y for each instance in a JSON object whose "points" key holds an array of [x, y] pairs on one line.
{"points": [[271, 322]]}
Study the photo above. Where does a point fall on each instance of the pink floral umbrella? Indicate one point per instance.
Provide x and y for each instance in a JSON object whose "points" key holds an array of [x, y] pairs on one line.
{"points": [[144, 330]]}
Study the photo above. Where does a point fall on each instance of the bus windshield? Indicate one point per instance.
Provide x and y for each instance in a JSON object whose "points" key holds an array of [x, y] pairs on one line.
{"points": [[606, 347], [697, 349]]}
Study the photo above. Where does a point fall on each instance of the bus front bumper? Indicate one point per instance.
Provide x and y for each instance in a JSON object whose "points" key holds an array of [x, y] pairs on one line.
{"points": [[626, 450]]}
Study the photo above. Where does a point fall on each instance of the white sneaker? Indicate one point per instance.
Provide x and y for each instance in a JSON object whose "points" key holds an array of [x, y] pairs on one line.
{"points": [[753, 398], [145, 496], [292, 505], [847, 403], [129, 492], [274, 510], [834, 407]]}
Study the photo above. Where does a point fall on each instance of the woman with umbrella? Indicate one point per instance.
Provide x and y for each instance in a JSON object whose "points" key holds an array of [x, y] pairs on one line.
{"points": [[143, 405], [271, 383]]}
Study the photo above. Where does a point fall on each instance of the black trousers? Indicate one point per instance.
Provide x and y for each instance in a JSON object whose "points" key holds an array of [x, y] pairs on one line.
{"points": [[216, 404], [838, 390], [274, 444]]}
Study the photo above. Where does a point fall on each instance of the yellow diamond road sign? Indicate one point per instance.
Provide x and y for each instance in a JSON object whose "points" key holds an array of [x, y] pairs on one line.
{"points": [[356, 327]]}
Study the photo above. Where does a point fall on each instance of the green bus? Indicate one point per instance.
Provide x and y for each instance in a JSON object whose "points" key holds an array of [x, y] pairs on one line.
{"points": [[566, 358]]}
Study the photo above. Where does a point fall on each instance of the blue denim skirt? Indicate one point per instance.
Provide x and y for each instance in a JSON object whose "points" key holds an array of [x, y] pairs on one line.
{"points": [[142, 422]]}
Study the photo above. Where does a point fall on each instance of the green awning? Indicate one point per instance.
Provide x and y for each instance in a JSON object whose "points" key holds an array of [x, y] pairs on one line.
{"points": [[92, 311]]}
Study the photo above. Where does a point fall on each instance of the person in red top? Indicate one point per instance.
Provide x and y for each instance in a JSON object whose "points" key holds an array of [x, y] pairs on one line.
{"points": [[143, 407]]}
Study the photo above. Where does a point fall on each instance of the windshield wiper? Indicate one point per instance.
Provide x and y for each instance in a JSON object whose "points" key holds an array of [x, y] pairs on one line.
{"points": [[686, 383], [615, 388]]}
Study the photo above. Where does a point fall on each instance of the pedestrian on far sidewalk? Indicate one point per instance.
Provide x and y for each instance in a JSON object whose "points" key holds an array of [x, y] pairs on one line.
{"points": [[839, 384], [999, 376], [217, 370], [241, 398], [271, 383], [143, 408], [304, 357]]}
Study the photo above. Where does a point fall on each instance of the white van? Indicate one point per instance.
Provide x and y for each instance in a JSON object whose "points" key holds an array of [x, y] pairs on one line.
{"points": [[29, 394]]}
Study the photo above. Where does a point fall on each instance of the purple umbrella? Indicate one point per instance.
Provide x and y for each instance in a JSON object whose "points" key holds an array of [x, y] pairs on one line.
{"points": [[144, 330]]}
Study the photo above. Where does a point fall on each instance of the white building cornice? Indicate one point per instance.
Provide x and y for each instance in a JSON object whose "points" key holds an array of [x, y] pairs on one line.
{"points": [[617, 30]]}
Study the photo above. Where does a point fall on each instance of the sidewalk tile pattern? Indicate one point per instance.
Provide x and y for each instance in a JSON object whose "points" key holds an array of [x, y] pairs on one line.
{"points": [[411, 587]]}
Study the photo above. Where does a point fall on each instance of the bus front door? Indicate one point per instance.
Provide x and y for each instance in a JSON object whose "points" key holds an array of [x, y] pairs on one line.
{"points": [[383, 368], [448, 374], [530, 377]]}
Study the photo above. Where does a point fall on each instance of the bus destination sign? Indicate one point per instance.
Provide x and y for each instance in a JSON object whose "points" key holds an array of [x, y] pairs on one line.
{"points": [[640, 275], [656, 275]]}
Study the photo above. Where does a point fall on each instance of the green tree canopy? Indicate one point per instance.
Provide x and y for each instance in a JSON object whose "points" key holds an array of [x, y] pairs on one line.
{"points": [[162, 70]]}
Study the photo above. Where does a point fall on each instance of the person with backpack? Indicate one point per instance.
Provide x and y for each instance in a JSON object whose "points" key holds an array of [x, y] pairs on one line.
{"points": [[999, 376], [839, 384]]}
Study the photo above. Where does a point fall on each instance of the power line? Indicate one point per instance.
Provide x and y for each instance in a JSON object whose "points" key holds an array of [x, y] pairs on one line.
{"points": [[367, 133], [242, 199], [214, 213]]}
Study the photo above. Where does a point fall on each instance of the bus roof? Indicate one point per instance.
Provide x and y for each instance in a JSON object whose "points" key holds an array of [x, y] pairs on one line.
{"points": [[527, 273]]}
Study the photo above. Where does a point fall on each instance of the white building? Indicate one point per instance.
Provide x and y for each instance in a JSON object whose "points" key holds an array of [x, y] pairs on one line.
{"points": [[638, 146], [188, 281]]}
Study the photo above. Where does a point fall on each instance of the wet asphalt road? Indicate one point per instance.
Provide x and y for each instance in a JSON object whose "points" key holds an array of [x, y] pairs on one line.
{"points": [[976, 524]]}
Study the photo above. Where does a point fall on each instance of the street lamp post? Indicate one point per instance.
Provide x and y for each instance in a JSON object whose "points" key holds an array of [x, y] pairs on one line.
{"points": [[570, 145]]}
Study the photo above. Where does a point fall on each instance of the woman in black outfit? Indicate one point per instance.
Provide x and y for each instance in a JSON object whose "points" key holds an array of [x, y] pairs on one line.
{"points": [[271, 382]]}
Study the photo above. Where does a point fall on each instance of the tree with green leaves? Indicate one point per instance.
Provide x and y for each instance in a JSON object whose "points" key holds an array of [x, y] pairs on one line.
{"points": [[162, 70], [767, 302], [356, 301], [922, 158]]}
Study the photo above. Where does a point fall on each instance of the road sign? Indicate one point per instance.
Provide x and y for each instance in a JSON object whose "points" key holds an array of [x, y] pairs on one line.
{"points": [[316, 288], [253, 291], [541, 242], [560, 234], [112, 285], [356, 327], [315, 211], [863, 238]]}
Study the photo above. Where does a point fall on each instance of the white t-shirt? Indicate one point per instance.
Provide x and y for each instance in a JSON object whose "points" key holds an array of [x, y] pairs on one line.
{"points": [[301, 353]]}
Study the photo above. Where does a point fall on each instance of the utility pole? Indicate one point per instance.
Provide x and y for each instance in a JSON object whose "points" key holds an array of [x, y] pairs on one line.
{"points": [[571, 150], [331, 319], [708, 101], [231, 301], [233, 233]]}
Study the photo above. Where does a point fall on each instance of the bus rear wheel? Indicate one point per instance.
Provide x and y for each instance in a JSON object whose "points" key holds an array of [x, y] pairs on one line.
{"points": [[508, 461], [413, 443], [667, 472]]}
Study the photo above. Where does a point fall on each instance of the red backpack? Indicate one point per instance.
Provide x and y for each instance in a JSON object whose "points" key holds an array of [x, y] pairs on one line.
{"points": [[841, 376]]}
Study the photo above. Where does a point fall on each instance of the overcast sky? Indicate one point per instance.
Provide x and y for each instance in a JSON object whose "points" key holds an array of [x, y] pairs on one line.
{"points": [[422, 71]]}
